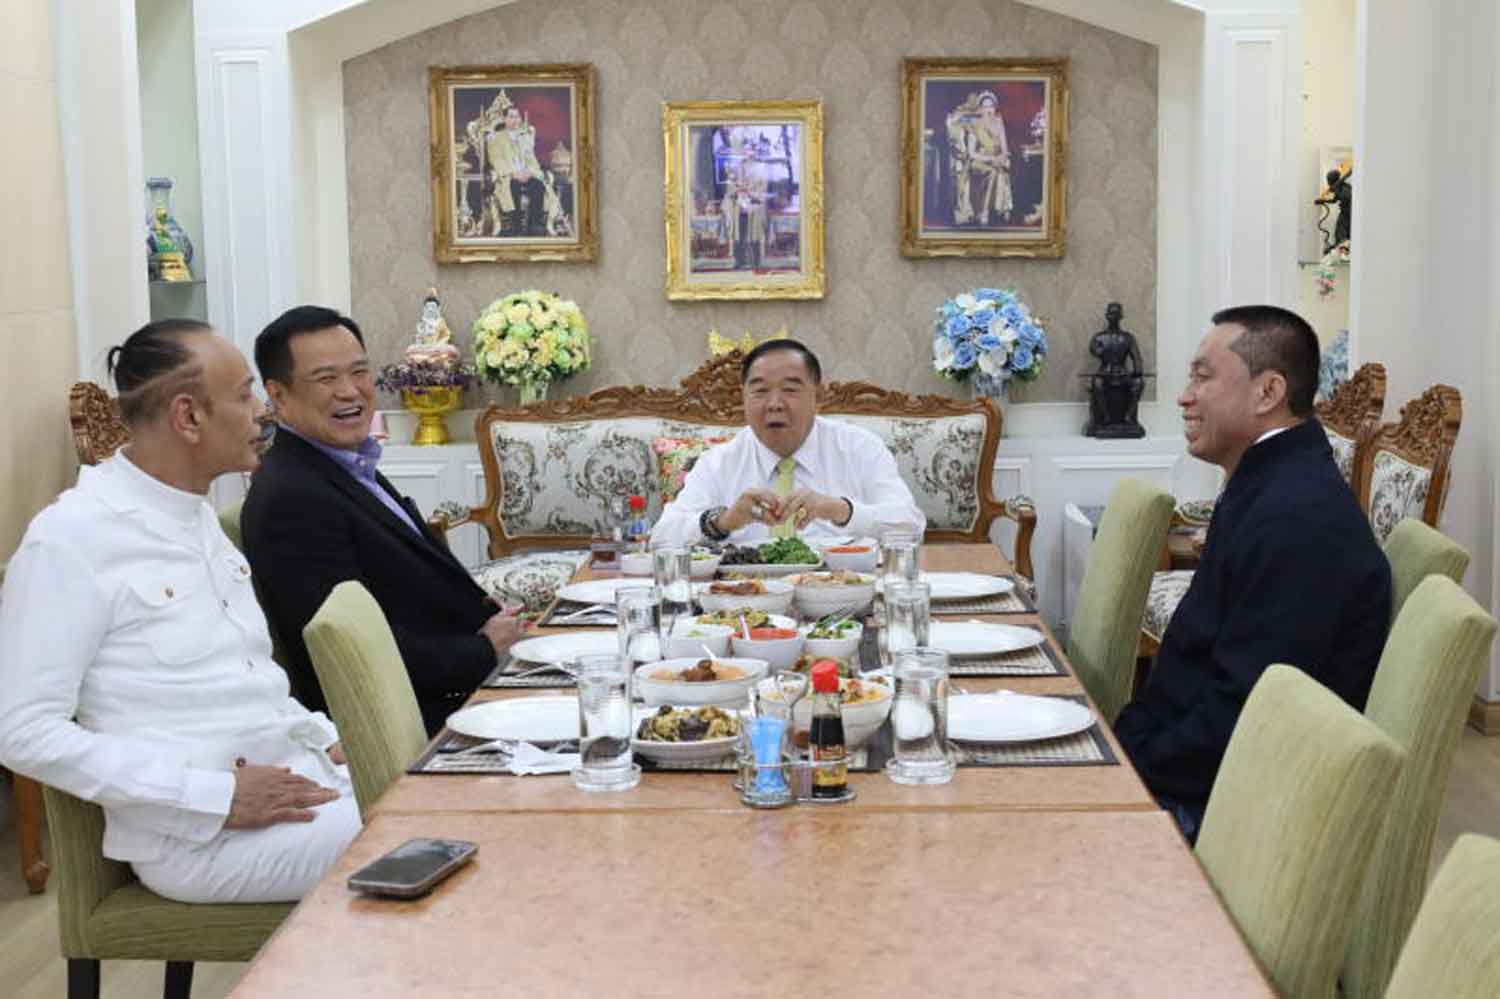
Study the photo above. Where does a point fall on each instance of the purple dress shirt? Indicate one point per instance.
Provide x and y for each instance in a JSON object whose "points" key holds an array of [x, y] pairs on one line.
{"points": [[361, 463]]}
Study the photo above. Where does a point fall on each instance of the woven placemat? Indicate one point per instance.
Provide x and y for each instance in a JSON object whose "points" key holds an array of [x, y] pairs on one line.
{"points": [[499, 681], [1014, 602], [1087, 748], [604, 618], [1039, 660]]}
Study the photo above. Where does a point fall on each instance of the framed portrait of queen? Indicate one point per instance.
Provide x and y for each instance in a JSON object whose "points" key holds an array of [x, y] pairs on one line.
{"points": [[512, 155], [984, 157], [744, 187]]}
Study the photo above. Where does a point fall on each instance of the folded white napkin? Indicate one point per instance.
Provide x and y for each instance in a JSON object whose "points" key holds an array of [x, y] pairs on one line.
{"points": [[528, 759]]}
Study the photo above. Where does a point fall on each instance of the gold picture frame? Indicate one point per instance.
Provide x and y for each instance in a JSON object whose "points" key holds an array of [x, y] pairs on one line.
{"points": [[744, 189], [512, 190], [984, 148]]}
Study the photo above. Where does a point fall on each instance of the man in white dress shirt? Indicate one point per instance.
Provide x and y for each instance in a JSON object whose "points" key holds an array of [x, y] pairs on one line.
{"points": [[789, 468], [135, 663]]}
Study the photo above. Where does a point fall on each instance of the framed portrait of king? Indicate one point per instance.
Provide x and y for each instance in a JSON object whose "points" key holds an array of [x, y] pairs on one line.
{"points": [[512, 154], [744, 187], [984, 157]]}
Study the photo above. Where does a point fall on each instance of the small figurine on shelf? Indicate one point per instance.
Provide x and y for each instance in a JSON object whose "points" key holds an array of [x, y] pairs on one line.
{"points": [[1115, 389], [430, 376], [169, 251]]}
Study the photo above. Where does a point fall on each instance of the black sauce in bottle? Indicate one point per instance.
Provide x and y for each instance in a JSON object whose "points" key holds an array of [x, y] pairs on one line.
{"points": [[826, 738]]}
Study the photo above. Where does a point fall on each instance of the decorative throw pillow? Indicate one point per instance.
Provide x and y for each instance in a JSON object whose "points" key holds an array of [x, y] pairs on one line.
{"points": [[675, 457]]}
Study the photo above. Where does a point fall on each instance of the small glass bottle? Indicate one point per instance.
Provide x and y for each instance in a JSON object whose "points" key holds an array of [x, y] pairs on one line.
{"points": [[639, 530], [826, 740]]}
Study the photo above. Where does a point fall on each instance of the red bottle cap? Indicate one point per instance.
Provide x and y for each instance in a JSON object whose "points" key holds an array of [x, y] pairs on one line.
{"points": [[637, 502], [825, 676]]}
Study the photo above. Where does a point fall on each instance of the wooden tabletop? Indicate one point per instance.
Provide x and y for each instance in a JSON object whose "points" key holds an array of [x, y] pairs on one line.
{"points": [[1035, 881]]}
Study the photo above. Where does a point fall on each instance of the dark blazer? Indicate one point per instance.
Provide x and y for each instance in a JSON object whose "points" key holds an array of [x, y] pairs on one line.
{"points": [[1290, 573], [309, 525]]}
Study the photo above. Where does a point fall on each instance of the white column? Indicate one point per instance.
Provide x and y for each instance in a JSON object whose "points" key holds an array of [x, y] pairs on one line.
{"points": [[99, 108]]}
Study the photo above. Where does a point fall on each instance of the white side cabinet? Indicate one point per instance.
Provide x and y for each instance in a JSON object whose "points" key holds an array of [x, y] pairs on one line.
{"points": [[436, 474]]}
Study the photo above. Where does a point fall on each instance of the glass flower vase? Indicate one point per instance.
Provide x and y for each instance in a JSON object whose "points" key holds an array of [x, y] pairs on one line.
{"points": [[533, 391], [983, 385]]}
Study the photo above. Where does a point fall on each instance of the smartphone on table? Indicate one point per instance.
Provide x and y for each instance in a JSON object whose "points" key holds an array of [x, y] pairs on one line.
{"points": [[413, 868]]}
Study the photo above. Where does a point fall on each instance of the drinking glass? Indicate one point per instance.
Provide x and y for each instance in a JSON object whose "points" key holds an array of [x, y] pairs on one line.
{"points": [[672, 568], [604, 725], [919, 718], [908, 617], [638, 613], [900, 551]]}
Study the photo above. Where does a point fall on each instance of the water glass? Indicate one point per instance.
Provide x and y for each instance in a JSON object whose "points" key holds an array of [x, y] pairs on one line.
{"points": [[604, 725], [908, 617], [638, 613], [919, 718], [672, 568], [901, 551]]}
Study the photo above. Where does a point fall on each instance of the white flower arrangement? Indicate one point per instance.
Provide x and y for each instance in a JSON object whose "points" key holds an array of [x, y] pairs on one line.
{"points": [[529, 338]]}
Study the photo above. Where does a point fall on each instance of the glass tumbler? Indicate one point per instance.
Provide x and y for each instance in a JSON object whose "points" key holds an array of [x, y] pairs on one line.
{"points": [[919, 718], [638, 617], [908, 617], [604, 725], [900, 551], [672, 568]]}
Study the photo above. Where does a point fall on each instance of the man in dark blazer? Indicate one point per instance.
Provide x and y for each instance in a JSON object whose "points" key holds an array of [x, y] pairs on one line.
{"points": [[1290, 572], [319, 513]]}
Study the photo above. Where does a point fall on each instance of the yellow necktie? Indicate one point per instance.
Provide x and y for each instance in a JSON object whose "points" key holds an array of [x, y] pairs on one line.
{"points": [[784, 470]]}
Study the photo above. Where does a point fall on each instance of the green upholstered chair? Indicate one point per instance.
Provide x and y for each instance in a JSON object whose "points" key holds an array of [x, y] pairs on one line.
{"points": [[1453, 950], [1106, 625], [105, 913], [1417, 551], [229, 520], [1427, 674], [1291, 825], [369, 693]]}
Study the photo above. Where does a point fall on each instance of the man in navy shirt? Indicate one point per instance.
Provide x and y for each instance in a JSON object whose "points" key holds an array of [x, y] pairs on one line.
{"points": [[1290, 573]]}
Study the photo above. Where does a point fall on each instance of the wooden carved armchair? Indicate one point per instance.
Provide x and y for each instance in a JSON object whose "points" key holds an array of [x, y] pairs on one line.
{"points": [[1350, 417], [1405, 472], [98, 431], [551, 466]]}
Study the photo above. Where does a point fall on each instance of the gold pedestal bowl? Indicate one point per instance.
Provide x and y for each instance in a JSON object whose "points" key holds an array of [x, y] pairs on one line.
{"points": [[431, 405]]}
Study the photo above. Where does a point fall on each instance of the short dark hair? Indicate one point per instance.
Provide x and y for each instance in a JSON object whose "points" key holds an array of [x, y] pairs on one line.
{"points": [[1277, 339], [153, 365], [784, 343], [273, 348]]}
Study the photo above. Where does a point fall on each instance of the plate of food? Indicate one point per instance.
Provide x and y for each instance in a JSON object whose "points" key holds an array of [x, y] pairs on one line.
{"points": [[526, 719], [753, 618], [773, 596], [837, 636], [685, 733], [835, 592], [565, 647], [1196, 512], [981, 638], [1006, 717], [781, 557], [704, 563], [697, 681], [961, 585]]}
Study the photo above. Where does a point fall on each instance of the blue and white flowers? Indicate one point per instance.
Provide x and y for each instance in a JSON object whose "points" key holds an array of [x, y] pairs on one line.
{"points": [[991, 330]]}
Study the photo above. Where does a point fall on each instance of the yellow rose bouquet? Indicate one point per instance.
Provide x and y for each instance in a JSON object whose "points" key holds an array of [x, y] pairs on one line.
{"points": [[530, 339]]}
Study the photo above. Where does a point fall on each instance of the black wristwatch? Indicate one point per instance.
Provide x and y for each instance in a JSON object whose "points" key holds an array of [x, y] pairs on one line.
{"points": [[708, 523]]}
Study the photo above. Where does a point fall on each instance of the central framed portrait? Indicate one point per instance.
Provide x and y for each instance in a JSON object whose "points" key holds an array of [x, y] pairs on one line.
{"points": [[512, 153], [984, 157], [744, 187]]}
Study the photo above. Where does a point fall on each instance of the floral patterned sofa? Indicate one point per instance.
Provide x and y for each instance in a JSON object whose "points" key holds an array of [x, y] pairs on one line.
{"points": [[551, 467]]}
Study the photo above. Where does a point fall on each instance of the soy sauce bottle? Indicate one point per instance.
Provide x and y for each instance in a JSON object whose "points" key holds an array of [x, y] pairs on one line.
{"points": [[826, 740]]}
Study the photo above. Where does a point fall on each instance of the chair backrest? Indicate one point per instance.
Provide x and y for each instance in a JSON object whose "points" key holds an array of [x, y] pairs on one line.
{"points": [[1453, 950], [81, 875], [98, 431], [1406, 471], [229, 520], [369, 693], [1432, 660], [1300, 797], [1416, 551], [1106, 621], [1351, 416]]}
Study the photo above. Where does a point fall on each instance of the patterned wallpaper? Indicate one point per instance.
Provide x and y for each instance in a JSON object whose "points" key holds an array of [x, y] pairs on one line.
{"points": [[876, 320]]}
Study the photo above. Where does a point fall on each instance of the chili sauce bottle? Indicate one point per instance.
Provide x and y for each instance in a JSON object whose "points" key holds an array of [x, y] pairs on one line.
{"points": [[826, 740]]}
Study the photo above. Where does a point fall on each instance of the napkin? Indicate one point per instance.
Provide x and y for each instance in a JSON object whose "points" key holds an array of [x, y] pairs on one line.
{"points": [[528, 759]]}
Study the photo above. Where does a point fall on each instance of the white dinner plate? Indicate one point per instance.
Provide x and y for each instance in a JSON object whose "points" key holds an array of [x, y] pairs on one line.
{"points": [[531, 719], [598, 591], [566, 647], [961, 585], [1007, 717], [980, 638]]}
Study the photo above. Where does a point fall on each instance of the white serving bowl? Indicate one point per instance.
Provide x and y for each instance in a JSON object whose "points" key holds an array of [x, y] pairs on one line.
{"points": [[779, 653], [635, 563], [776, 600], [836, 648], [843, 598], [734, 692], [862, 561], [861, 721], [689, 638], [702, 751], [705, 564]]}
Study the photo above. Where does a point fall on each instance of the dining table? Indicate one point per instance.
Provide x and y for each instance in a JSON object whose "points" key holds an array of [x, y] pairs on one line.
{"points": [[1031, 879]]}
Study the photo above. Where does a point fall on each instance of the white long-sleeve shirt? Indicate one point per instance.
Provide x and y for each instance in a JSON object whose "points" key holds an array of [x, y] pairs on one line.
{"points": [[135, 662], [836, 459]]}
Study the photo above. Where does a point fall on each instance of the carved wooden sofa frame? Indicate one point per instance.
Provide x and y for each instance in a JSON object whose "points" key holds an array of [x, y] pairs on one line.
{"points": [[1353, 412], [1423, 436], [711, 396]]}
